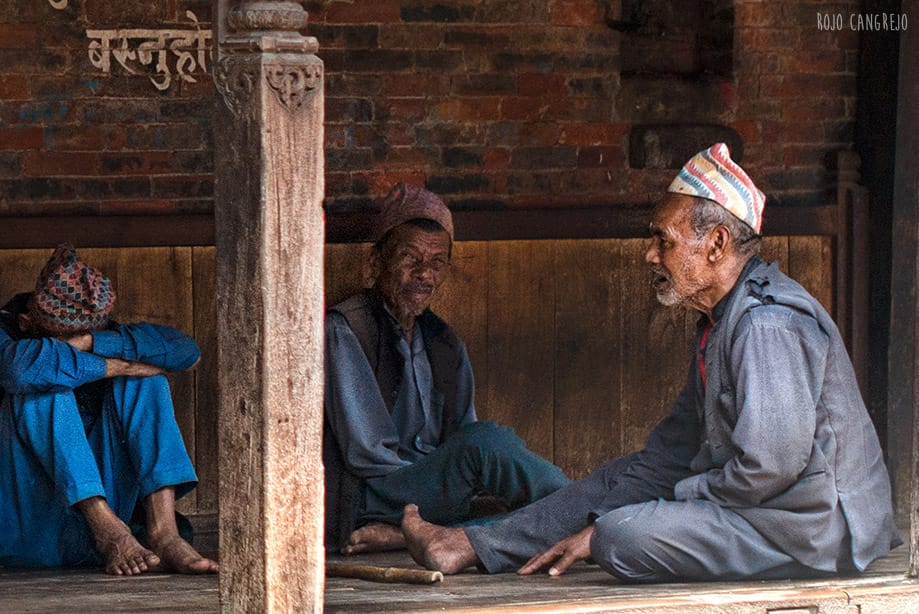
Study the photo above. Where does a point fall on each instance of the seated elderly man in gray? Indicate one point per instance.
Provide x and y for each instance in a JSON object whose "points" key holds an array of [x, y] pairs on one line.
{"points": [[400, 421], [767, 467]]}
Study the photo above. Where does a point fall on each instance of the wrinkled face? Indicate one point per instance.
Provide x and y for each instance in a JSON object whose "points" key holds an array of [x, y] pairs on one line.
{"points": [[676, 256], [412, 267]]}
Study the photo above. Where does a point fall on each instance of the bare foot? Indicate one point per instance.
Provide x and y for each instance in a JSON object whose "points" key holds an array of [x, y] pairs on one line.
{"points": [[178, 556], [438, 548], [124, 556], [375, 538]]}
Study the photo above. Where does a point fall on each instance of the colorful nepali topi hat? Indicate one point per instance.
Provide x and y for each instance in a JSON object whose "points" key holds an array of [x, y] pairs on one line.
{"points": [[70, 295], [409, 202], [713, 175]]}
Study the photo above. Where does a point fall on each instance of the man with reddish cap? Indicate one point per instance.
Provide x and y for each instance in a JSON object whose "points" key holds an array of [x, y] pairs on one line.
{"points": [[88, 432], [400, 421], [768, 465]]}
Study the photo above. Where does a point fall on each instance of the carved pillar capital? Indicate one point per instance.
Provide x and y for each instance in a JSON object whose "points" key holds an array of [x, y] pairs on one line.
{"points": [[261, 43]]}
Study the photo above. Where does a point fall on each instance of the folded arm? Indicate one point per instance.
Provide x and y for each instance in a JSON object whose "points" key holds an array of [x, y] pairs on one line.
{"points": [[46, 364]]}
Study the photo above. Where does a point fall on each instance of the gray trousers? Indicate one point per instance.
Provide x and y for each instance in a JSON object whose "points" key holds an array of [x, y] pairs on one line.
{"points": [[655, 541]]}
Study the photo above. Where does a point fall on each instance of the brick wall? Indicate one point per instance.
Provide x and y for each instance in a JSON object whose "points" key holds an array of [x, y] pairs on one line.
{"points": [[542, 103], [517, 103], [77, 137]]}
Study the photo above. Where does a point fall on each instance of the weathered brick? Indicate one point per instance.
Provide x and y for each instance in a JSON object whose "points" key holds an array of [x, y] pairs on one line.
{"points": [[593, 87], [14, 88], [14, 36], [524, 62], [451, 134], [489, 84], [36, 189], [604, 157], [179, 186], [348, 110], [349, 158], [758, 14], [377, 60], [127, 14], [411, 36], [540, 134], [536, 84], [482, 108], [492, 38], [415, 85], [811, 86], [58, 164], [72, 138], [193, 162], [46, 61], [460, 157], [405, 109], [346, 36], [10, 164], [809, 155], [593, 134], [577, 12], [814, 109], [413, 157], [458, 184], [27, 137], [137, 163], [525, 108], [349, 84], [168, 136], [562, 156], [363, 11], [440, 12], [513, 11], [496, 158], [137, 207], [439, 60]]}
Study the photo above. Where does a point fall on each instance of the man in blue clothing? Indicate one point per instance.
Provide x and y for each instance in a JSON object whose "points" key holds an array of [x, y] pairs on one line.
{"points": [[87, 430], [768, 465], [400, 421]]}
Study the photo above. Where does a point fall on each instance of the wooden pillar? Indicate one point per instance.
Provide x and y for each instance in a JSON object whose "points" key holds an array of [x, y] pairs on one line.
{"points": [[903, 360], [269, 236]]}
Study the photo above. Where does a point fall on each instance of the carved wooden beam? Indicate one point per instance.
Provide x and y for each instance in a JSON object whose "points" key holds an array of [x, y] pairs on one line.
{"points": [[269, 234]]}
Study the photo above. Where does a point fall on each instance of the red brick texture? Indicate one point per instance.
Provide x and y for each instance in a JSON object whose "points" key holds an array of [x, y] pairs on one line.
{"points": [[518, 103], [77, 140], [526, 104]]}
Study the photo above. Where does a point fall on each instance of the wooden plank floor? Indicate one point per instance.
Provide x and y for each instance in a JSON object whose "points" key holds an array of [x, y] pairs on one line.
{"points": [[884, 589]]}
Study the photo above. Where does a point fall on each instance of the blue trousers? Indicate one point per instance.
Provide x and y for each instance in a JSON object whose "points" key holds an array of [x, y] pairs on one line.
{"points": [[481, 458], [49, 462]]}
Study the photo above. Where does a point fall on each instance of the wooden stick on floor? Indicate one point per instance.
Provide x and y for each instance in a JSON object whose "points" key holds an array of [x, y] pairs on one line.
{"points": [[377, 573]]}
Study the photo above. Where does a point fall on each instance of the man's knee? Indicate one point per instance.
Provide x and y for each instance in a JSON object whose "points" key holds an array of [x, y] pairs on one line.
{"points": [[624, 545], [36, 407], [488, 436]]}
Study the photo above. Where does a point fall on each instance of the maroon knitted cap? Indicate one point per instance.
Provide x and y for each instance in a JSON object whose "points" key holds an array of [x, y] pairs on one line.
{"points": [[70, 295], [409, 202]]}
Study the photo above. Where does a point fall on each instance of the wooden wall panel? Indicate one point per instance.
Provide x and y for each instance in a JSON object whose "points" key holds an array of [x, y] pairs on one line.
{"points": [[588, 354], [567, 342], [346, 270], [656, 349], [204, 277], [521, 321], [810, 262], [463, 302]]}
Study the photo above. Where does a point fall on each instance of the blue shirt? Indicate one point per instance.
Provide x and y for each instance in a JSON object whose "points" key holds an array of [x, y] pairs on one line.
{"points": [[30, 365], [373, 441]]}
